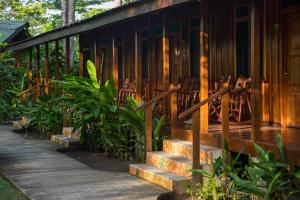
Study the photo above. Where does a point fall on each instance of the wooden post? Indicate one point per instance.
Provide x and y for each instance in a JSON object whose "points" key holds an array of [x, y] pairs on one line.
{"points": [[265, 102], [97, 60], [255, 72], [68, 62], [225, 117], [115, 61], [148, 121], [81, 64], [174, 116], [196, 146], [137, 63], [57, 61], [165, 56], [30, 69], [46, 79], [203, 64], [38, 77]]}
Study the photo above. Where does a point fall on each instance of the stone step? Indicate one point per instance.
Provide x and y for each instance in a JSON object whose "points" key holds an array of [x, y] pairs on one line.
{"points": [[160, 177], [170, 162], [68, 132], [184, 149], [67, 142]]}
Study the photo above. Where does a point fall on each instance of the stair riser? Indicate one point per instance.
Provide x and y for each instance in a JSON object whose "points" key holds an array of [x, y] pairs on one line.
{"points": [[206, 157], [209, 139], [179, 187], [68, 132], [169, 165]]}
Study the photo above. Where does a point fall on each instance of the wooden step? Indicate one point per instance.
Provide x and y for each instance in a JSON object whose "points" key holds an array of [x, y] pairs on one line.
{"points": [[170, 162], [184, 149], [67, 142], [213, 139], [68, 132], [160, 177]]}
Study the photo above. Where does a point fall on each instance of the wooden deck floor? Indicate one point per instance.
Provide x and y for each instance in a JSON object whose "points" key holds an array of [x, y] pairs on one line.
{"points": [[240, 139]]}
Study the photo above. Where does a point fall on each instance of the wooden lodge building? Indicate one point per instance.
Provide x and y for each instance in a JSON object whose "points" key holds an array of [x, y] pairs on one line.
{"points": [[155, 45]]}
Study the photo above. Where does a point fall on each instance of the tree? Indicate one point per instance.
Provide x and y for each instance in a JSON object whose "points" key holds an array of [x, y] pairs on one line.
{"points": [[68, 17]]}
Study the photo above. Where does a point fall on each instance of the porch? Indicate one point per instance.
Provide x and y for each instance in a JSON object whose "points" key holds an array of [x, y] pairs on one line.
{"points": [[156, 43]]}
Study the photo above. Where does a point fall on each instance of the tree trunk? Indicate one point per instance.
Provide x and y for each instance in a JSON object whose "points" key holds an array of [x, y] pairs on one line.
{"points": [[71, 19], [68, 17]]}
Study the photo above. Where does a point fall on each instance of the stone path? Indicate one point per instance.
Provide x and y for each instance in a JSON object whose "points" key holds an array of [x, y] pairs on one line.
{"points": [[42, 173]]}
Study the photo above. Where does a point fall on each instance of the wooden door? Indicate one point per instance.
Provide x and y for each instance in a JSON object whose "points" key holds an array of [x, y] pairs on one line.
{"points": [[293, 68]]}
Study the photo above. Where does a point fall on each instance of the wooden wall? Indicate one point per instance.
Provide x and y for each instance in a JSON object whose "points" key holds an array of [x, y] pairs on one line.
{"points": [[222, 46]]}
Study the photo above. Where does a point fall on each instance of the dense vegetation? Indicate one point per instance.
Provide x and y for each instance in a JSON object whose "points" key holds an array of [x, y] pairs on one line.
{"points": [[264, 177]]}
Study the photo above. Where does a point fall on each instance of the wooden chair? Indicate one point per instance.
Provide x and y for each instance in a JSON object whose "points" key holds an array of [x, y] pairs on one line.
{"points": [[214, 107], [128, 89], [240, 109]]}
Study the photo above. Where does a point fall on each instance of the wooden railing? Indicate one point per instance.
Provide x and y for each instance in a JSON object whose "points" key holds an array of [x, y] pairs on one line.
{"points": [[149, 112], [195, 112]]}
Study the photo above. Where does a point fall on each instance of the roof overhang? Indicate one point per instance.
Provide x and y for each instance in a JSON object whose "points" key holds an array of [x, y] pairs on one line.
{"points": [[115, 15]]}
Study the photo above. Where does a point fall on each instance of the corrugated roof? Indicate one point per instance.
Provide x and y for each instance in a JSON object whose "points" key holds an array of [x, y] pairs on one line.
{"points": [[9, 28]]}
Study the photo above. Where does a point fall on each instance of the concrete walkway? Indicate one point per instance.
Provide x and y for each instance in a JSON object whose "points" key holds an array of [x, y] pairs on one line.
{"points": [[42, 173]]}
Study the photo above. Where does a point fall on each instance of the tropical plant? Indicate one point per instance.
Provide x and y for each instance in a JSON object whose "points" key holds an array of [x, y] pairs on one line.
{"points": [[93, 110], [45, 116], [217, 183], [267, 177], [264, 177], [12, 81]]}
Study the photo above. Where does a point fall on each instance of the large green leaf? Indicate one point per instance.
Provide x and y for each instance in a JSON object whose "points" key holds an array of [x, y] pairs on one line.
{"points": [[280, 148], [93, 73]]}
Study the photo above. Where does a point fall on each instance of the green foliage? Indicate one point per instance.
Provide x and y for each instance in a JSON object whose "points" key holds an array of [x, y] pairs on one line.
{"points": [[12, 81], [94, 111], [45, 116], [264, 177], [268, 178]]}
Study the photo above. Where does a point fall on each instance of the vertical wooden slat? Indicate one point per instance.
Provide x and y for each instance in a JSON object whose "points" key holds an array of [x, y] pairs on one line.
{"points": [[137, 64], [30, 69], [255, 72], [225, 117], [115, 61], [203, 64], [68, 63], [38, 77], [174, 116], [46, 70], [148, 120], [57, 60], [196, 145]]}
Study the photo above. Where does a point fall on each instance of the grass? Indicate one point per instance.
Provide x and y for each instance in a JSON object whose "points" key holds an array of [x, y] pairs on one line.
{"points": [[9, 192]]}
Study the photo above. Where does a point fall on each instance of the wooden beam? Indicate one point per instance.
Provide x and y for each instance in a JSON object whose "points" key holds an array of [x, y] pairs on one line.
{"points": [[255, 72], [174, 115], [203, 64], [46, 70], [148, 121], [30, 69], [81, 64], [165, 56], [115, 15], [225, 117], [138, 66], [38, 69], [67, 56], [57, 61], [115, 61], [196, 146]]}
